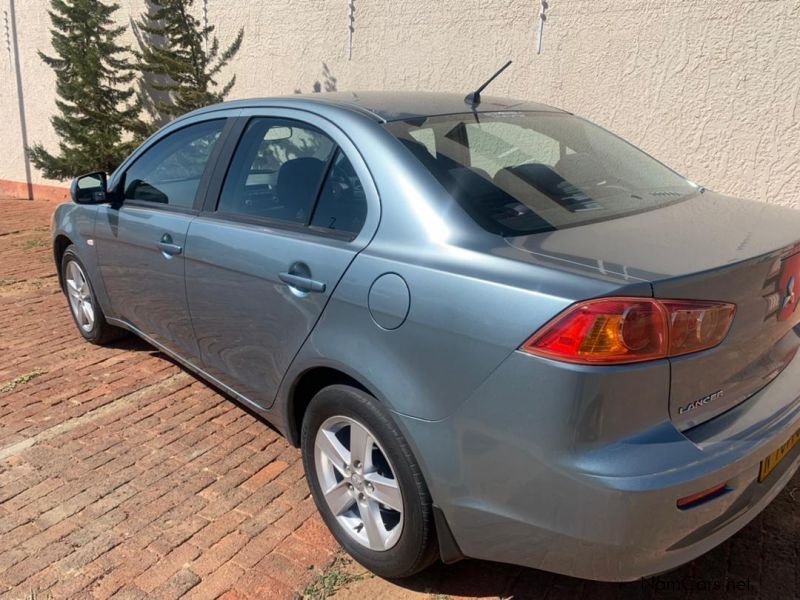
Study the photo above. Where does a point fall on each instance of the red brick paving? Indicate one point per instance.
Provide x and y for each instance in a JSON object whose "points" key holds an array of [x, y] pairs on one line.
{"points": [[121, 475]]}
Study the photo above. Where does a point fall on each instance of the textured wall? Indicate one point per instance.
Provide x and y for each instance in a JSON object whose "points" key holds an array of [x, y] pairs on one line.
{"points": [[710, 87]]}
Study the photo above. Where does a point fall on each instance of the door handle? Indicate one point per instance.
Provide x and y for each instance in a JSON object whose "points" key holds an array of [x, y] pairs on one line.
{"points": [[170, 248], [302, 283]]}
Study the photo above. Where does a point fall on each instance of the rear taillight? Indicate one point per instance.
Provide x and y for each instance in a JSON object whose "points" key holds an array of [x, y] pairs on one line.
{"points": [[695, 326], [627, 330]]}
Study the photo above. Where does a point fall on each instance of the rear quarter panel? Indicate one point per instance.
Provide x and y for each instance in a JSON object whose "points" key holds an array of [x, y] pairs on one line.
{"points": [[459, 328]]}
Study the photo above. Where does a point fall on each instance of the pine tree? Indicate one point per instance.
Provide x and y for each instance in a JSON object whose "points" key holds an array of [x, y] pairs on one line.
{"points": [[98, 122], [179, 61]]}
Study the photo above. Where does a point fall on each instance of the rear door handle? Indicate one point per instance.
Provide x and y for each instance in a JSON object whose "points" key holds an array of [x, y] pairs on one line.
{"points": [[170, 248], [302, 283]]}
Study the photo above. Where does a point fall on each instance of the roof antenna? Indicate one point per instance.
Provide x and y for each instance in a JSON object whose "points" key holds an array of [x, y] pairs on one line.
{"points": [[474, 98]]}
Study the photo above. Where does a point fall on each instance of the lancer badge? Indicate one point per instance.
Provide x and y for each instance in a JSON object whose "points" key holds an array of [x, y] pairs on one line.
{"points": [[699, 403]]}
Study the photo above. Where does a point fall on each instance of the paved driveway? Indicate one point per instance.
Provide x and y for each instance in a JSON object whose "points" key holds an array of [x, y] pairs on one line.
{"points": [[122, 475]]}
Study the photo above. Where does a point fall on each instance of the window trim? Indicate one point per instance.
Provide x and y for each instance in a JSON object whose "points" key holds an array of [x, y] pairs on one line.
{"points": [[134, 203], [336, 234], [208, 169], [210, 205]]}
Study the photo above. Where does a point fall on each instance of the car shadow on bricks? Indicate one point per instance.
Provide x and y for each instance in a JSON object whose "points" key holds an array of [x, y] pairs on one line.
{"points": [[483, 579], [133, 343]]}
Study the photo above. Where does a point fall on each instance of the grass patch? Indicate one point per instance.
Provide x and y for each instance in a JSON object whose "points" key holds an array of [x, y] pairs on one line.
{"points": [[333, 578], [35, 243], [21, 380], [36, 595]]}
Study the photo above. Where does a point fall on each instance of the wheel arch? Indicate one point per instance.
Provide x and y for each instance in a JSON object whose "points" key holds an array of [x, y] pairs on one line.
{"points": [[60, 245], [304, 387]]}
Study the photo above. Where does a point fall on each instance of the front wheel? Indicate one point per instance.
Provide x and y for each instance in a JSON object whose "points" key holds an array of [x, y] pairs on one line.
{"points": [[86, 311], [366, 483]]}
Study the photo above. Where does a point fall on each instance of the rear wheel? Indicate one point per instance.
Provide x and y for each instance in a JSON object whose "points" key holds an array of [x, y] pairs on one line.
{"points": [[86, 311], [366, 483]]}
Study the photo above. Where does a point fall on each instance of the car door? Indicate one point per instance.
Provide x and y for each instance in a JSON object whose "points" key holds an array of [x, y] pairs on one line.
{"points": [[141, 237], [286, 218]]}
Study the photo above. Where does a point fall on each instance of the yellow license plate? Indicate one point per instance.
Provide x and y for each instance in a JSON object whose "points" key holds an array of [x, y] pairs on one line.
{"points": [[769, 464]]}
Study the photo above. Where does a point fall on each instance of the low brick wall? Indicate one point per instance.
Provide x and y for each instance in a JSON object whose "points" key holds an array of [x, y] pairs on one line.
{"points": [[35, 191]]}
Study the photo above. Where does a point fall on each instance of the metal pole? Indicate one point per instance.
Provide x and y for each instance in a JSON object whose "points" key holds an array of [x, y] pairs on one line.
{"points": [[350, 27], [205, 25], [23, 125], [542, 18]]}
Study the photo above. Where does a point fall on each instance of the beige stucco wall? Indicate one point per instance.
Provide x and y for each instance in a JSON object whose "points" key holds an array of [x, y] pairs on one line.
{"points": [[710, 87]]}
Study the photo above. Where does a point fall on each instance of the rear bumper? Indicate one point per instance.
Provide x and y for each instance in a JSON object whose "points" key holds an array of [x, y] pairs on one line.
{"points": [[538, 468]]}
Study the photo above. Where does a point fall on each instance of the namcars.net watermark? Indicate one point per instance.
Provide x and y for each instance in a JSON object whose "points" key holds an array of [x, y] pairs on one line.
{"points": [[695, 585]]}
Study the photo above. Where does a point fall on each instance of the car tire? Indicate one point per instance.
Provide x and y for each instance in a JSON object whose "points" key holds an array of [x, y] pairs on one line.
{"points": [[84, 308], [343, 409]]}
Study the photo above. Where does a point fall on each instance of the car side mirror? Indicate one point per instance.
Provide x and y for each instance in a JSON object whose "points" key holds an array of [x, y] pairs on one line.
{"points": [[91, 188]]}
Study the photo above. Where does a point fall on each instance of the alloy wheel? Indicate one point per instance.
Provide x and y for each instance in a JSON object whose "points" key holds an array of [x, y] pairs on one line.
{"points": [[80, 296], [358, 483]]}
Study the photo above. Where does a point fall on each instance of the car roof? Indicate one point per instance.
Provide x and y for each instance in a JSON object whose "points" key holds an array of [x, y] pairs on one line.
{"points": [[390, 106]]}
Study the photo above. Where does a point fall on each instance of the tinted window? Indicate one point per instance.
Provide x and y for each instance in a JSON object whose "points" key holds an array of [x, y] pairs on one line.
{"points": [[496, 145], [342, 204], [169, 172], [520, 173], [276, 171]]}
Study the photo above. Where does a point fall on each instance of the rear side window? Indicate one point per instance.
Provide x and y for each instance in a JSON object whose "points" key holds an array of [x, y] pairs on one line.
{"points": [[276, 171], [169, 172], [284, 170], [342, 204], [518, 173]]}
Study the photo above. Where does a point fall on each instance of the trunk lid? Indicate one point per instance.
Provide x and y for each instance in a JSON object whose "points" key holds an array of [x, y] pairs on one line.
{"points": [[709, 247], [759, 345]]}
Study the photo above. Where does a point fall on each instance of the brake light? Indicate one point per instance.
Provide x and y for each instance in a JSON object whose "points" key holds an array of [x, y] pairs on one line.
{"points": [[628, 330]]}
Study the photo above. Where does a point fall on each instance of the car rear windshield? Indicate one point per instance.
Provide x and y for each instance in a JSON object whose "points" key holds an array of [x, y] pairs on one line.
{"points": [[519, 173]]}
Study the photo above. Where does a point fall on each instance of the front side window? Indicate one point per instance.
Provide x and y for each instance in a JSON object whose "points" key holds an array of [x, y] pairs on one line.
{"points": [[169, 172], [276, 171], [519, 173]]}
